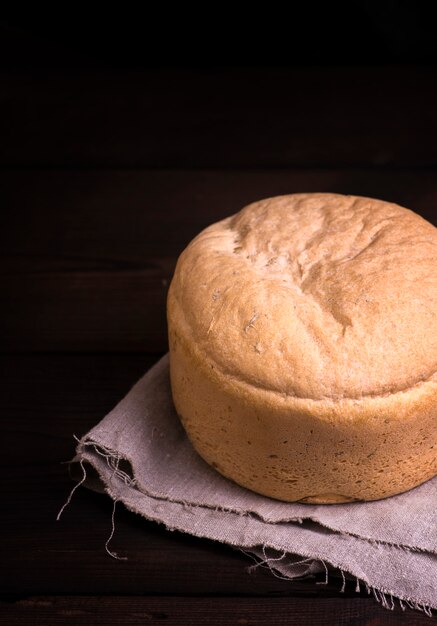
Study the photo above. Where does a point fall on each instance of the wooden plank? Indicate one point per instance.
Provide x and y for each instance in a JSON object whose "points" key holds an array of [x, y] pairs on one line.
{"points": [[133, 610], [88, 256], [226, 118], [47, 399], [139, 220], [85, 311]]}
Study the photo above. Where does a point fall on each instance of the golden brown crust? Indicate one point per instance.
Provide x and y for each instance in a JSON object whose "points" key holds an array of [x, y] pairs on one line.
{"points": [[312, 309]]}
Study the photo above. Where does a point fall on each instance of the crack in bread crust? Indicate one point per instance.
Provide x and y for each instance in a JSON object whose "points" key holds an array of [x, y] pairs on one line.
{"points": [[314, 295], [227, 374]]}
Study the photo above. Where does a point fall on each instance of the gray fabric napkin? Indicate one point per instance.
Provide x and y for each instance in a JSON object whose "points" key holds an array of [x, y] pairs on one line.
{"points": [[145, 461]]}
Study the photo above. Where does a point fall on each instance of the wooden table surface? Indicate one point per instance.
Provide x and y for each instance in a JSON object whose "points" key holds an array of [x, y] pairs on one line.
{"points": [[106, 176]]}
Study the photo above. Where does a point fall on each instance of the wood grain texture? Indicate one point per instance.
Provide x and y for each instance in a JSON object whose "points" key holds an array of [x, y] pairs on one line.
{"points": [[223, 118], [88, 256], [135, 610], [47, 399]]}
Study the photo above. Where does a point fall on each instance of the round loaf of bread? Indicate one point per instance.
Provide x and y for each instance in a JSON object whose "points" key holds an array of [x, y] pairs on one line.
{"points": [[303, 347]]}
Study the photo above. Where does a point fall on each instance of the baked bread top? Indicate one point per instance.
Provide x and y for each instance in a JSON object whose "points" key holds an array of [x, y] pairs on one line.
{"points": [[316, 296]]}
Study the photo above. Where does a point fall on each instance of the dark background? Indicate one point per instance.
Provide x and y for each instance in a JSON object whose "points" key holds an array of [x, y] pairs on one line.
{"points": [[371, 32], [122, 135], [346, 84]]}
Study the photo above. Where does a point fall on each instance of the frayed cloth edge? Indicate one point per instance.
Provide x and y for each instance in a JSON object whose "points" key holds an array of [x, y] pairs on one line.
{"points": [[131, 481], [380, 594]]}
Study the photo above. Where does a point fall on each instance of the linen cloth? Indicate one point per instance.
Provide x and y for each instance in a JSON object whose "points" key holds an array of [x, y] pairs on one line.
{"points": [[145, 460]]}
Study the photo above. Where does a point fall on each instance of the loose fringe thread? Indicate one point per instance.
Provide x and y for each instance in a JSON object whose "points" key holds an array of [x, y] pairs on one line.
{"points": [[76, 486], [113, 461], [266, 563], [113, 464], [385, 599], [324, 582], [113, 554]]}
